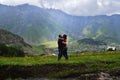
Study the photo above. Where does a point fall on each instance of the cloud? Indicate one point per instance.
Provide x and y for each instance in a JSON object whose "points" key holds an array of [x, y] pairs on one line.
{"points": [[84, 7], [18, 2], [74, 7], [109, 7]]}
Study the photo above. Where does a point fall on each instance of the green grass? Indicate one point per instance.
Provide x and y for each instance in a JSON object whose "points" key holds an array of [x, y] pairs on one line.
{"points": [[86, 62], [38, 49], [85, 57]]}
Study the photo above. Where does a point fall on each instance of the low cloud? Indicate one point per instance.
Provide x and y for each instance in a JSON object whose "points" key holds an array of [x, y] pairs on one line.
{"points": [[74, 7]]}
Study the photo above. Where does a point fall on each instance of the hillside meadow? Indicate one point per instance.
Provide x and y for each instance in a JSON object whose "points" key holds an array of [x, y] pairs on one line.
{"points": [[49, 67]]}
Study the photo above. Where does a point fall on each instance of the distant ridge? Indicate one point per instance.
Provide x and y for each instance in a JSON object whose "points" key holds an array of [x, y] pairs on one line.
{"points": [[37, 25]]}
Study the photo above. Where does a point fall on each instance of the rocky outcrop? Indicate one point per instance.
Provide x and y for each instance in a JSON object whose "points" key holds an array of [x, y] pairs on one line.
{"points": [[7, 37], [100, 76], [11, 43]]}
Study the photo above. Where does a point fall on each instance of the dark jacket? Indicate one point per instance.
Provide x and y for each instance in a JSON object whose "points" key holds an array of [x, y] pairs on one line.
{"points": [[60, 40]]}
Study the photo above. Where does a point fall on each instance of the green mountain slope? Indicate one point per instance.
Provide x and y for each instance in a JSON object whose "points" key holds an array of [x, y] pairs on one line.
{"points": [[104, 28], [12, 44], [30, 22], [37, 25]]}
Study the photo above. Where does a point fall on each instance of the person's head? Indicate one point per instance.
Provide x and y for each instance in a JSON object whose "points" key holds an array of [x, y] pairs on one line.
{"points": [[60, 36], [65, 36]]}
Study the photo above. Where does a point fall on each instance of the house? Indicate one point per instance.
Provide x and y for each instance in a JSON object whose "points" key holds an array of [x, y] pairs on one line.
{"points": [[110, 48]]}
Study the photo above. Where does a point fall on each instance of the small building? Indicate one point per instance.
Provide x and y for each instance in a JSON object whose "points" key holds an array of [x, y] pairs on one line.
{"points": [[111, 48]]}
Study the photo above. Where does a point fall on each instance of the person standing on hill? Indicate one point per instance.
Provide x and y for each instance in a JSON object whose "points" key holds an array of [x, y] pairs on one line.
{"points": [[60, 40], [62, 46]]}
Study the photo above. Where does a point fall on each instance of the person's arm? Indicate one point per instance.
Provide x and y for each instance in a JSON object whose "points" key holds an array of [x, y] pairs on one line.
{"points": [[64, 43]]}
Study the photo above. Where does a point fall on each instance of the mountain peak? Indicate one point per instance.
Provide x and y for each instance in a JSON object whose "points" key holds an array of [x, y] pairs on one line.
{"points": [[24, 5]]}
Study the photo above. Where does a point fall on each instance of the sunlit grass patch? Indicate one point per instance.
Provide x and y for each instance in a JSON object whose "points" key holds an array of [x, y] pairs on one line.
{"points": [[51, 44]]}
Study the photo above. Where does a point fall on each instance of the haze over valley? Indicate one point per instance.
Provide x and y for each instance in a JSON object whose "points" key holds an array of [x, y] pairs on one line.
{"points": [[37, 25]]}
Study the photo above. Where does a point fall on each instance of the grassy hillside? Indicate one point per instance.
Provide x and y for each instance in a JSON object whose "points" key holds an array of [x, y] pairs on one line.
{"points": [[32, 23], [37, 25], [82, 58], [49, 67], [13, 45]]}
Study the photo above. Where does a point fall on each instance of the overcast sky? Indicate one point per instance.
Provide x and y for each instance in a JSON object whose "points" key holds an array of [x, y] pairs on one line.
{"points": [[74, 7]]}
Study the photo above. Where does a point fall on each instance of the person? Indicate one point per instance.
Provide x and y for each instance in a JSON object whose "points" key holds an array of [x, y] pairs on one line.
{"points": [[62, 47], [60, 40]]}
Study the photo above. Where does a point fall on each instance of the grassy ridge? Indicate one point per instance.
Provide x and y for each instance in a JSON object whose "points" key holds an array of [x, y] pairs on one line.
{"points": [[86, 62], [82, 58]]}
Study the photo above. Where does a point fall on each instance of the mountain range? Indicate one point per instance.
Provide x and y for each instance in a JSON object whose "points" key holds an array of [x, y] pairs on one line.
{"points": [[37, 25]]}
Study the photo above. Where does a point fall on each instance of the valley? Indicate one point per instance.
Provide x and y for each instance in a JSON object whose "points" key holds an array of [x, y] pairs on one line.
{"points": [[29, 49]]}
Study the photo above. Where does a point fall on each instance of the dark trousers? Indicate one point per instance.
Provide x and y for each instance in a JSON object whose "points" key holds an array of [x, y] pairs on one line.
{"points": [[63, 52]]}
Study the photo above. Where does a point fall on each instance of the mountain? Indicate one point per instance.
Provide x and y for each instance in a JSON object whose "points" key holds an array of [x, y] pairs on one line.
{"points": [[12, 44], [38, 25], [7, 37], [104, 28], [90, 41], [30, 22]]}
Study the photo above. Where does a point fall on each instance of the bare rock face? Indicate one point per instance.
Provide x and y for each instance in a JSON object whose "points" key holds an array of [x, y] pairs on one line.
{"points": [[100, 76], [104, 76]]}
